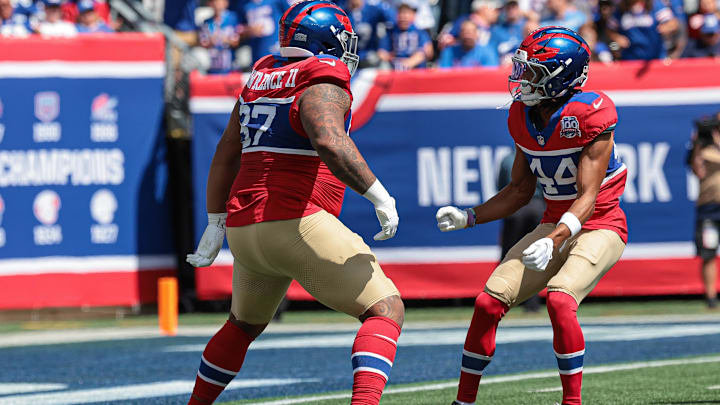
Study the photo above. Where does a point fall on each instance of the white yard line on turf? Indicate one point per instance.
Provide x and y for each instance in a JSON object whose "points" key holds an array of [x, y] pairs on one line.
{"points": [[48, 337], [20, 388], [551, 389], [714, 387], [508, 378], [137, 391]]}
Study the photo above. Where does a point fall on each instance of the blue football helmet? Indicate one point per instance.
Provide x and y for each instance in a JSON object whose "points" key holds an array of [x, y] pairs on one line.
{"points": [[318, 27], [550, 62]]}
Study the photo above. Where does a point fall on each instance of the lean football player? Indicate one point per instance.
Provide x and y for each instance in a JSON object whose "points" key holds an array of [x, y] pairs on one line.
{"points": [[277, 181], [565, 140]]}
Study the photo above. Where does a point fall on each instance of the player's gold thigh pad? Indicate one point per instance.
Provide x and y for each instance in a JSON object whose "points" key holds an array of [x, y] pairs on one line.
{"points": [[257, 288], [590, 256], [511, 282], [330, 261]]}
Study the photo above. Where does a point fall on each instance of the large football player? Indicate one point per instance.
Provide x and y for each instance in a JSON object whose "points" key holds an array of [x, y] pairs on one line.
{"points": [[565, 140], [277, 180]]}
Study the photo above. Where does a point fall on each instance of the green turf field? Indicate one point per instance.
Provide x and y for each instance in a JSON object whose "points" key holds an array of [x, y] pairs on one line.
{"points": [[676, 381]]}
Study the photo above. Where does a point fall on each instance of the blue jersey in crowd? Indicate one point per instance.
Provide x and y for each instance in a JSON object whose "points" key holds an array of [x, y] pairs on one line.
{"points": [[640, 27], [484, 34], [456, 56], [218, 35], [572, 19], [406, 43], [507, 36], [180, 14], [365, 22], [265, 13]]}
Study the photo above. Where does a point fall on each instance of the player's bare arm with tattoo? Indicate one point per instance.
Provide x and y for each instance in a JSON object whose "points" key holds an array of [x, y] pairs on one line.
{"points": [[322, 113]]}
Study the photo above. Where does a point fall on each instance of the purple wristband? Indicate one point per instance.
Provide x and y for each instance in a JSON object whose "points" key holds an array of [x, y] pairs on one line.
{"points": [[471, 217]]}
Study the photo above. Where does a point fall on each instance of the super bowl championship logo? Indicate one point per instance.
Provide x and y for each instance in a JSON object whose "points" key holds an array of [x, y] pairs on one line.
{"points": [[46, 208], [103, 205], [104, 117], [47, 109]]}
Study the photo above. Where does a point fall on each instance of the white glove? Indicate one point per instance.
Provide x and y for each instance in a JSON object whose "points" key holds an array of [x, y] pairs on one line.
{"points": [[384, 209], [537, 256], [211, 241], [453, 218]]}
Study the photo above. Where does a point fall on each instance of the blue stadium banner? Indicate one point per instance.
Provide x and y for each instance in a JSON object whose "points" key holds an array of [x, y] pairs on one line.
{"points": [[437, 137], [83, 214]]}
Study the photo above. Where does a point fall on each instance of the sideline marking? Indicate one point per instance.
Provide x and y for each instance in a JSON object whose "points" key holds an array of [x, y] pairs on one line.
{"points": [[20, 388], [552, 389], [139, 391], [593, 333], [714, 387], [508, 378]]}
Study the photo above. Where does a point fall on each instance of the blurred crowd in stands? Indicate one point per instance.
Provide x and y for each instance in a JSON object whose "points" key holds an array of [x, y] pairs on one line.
{"points": [[57, 18], [405, 34]]}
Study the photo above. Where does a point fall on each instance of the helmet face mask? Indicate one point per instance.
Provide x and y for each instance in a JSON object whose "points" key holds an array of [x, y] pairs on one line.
{"points": [[318, 27], [550, 62]]}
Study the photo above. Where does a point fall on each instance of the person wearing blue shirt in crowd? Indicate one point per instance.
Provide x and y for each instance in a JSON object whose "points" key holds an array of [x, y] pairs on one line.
{"points": [[468, 52], [88, 21], [704, 31], [406, 46], [258, 25], [366, 17], [564, 14], [641, 24], [484, 14], [509, 32], [180, 16], [13, 24], [219, 35]]}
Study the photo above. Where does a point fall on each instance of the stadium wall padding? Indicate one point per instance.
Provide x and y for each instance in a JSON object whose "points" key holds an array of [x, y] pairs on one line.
{"points": [[84, 218], [435, 137]]}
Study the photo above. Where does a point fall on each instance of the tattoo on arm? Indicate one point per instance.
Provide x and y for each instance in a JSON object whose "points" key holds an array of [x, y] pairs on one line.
{"points": [[322, 113]]}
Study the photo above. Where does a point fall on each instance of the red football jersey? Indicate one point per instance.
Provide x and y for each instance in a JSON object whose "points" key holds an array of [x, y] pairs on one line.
{"points": [[281, 176], [553, 154]]}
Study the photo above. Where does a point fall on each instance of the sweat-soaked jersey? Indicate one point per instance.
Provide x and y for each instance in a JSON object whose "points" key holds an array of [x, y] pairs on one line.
{"points": [[554, 152], [281, 176]]}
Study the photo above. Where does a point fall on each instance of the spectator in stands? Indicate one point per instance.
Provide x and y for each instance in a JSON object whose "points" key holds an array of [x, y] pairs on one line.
{"points": [[677, 37], [704, 31], [606, 27], [507, 34], [468, 52], [562, 13], [88, 20], [52, 24], [180, 16], [366, 19], [599, 50], [219, 36], [258, 25], [641, 26], [12, 24], [484, 14], [70, 11], [704, 160], [406, 46]]}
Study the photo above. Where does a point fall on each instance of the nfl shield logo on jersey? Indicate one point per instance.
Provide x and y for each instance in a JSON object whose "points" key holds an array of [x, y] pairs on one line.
{"points": [[570, 127], [541, 140]]}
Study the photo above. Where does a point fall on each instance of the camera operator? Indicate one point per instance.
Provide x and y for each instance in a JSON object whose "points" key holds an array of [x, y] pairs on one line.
{"points": [[704, 159]]}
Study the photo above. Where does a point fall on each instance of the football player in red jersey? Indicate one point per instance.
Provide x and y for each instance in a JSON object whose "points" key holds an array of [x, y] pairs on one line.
{"points": [[565, 140], [277, 181]]}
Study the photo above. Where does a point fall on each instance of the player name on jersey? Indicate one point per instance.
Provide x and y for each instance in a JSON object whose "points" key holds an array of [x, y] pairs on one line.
{"points": [[272, 80]]}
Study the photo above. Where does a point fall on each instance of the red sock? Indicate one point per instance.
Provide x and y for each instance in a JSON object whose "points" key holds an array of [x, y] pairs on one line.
{"points": [[479, 344], [372, 357], [220, 362], [568, 343]]}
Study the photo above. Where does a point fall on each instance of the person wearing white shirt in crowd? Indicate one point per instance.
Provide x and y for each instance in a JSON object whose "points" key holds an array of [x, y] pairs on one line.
{"points": [[53, 24]]}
